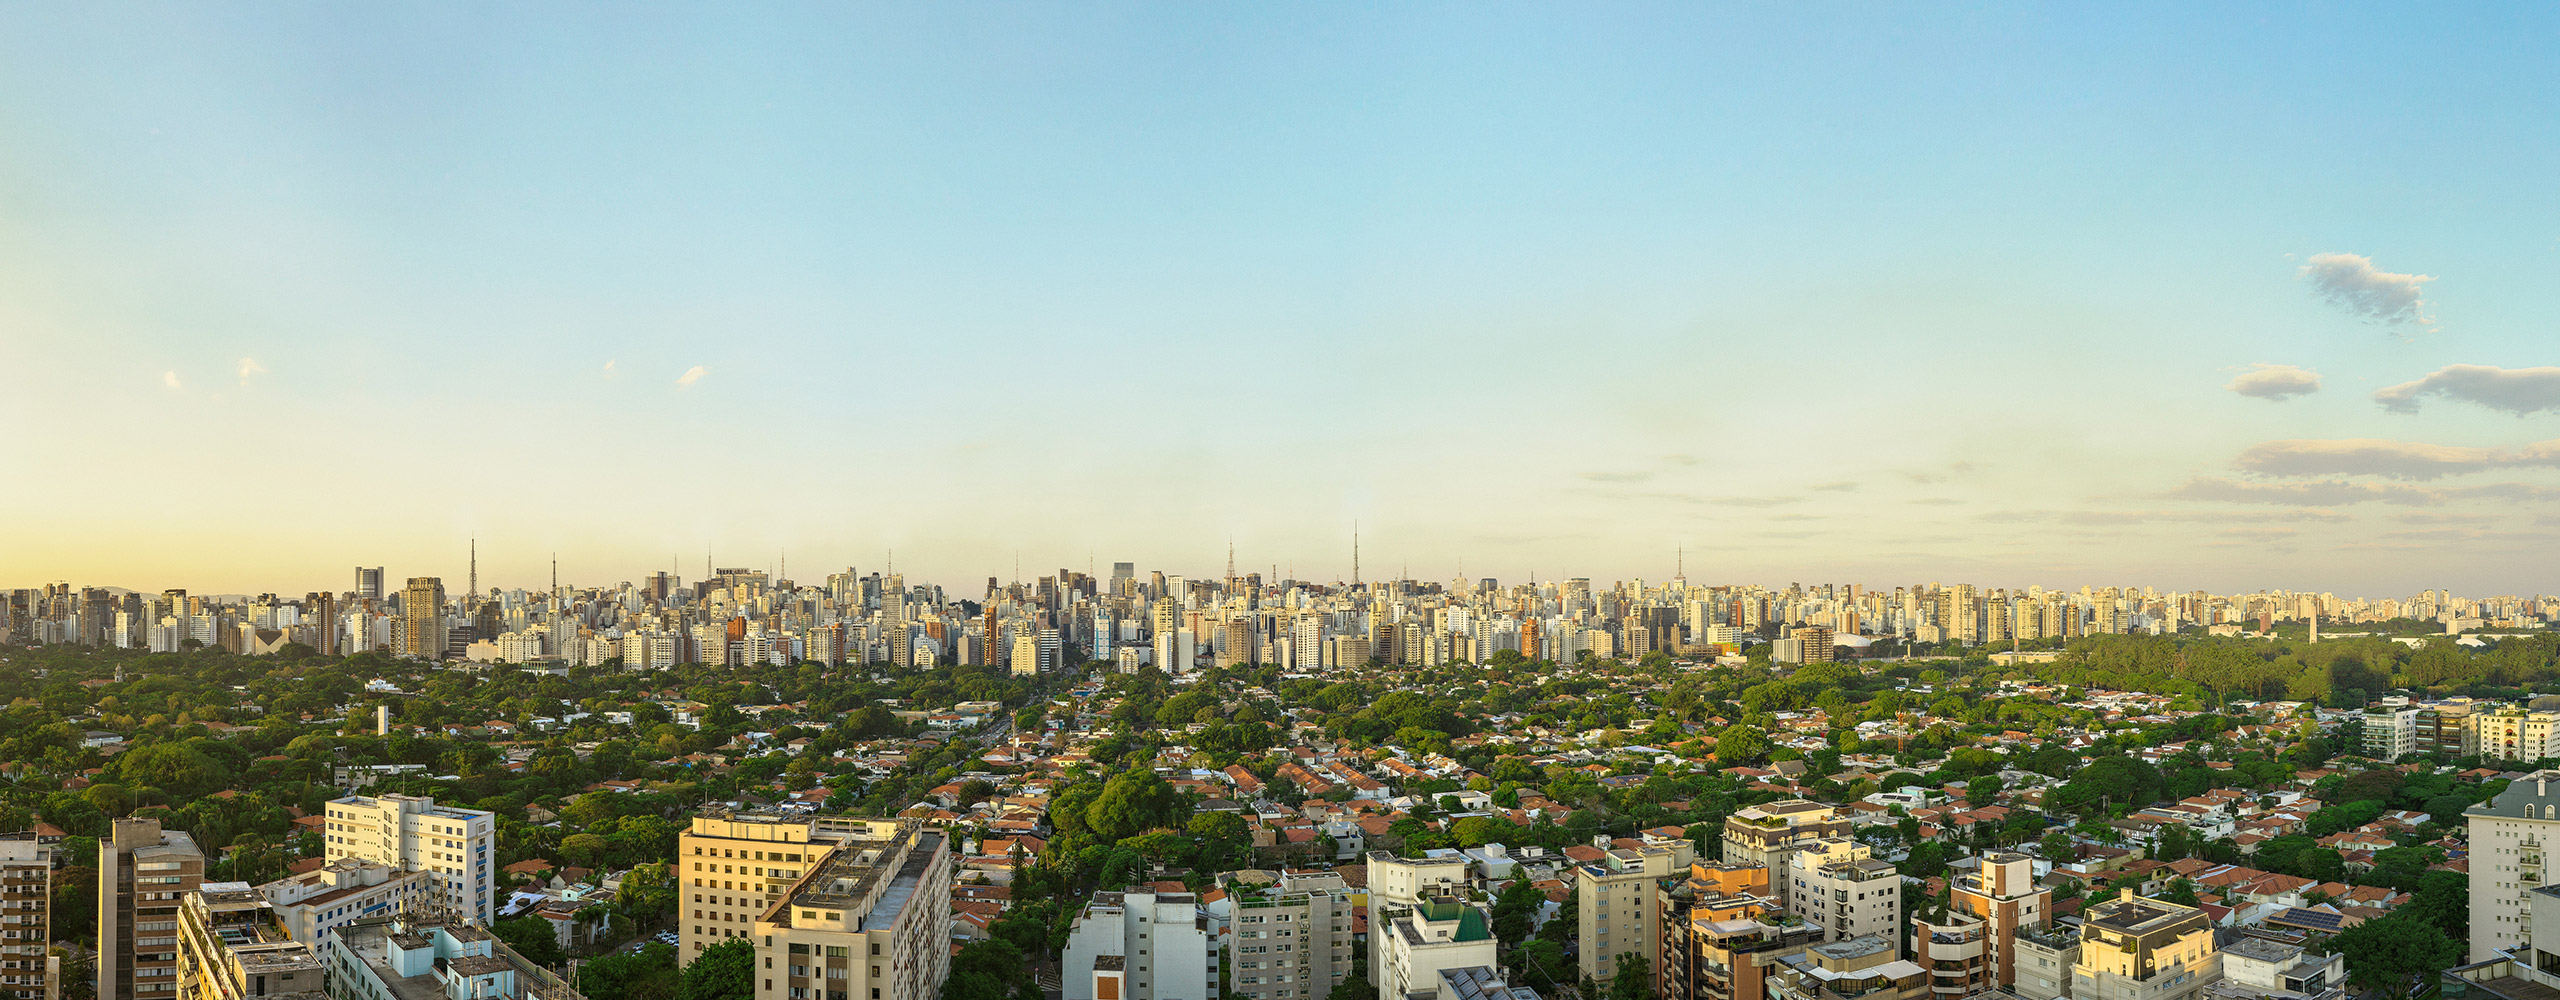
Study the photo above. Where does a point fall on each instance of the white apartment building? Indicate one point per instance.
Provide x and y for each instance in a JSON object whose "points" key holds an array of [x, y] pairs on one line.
{"points": [[412, 832], [1395, 881], [2389, 732], [317, 903], [1140, 946], [2509, 836], [1837, 883]]}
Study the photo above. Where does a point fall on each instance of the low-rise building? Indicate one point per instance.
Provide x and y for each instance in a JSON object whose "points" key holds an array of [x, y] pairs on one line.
{"points": [[232, 947], [1870, 967], [1411, 946], [403, 959]]}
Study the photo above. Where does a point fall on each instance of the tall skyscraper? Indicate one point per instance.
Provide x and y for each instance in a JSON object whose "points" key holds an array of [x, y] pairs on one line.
{"points": [[869, 919], [422, 612], [413, 833], [26, 891], [369, 583], [144, 875]]}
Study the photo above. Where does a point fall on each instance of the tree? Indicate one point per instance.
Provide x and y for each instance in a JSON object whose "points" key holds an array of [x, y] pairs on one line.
{"points": [[1634, 978], [1515, 910], [2057, 847], [646, 893], [1355, 986], [993, 969], [532, 937], [724, 971], [2387, 954], [648, 974], [1741, 743]]}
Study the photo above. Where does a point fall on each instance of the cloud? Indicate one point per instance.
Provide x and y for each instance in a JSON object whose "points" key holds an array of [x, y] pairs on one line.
{"points": [[2391, 459], [692, 375], [2275, 382], [1936, 501], [170, 379], [2323, 493], [2098, 517], [248, 367], [2351, 282], [1836, 486], [1617, 477], [1926, 476], [2516, 390], [1753, 501]]}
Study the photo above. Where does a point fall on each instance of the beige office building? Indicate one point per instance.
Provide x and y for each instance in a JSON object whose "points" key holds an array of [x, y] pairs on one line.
{"points": [[144, 875], [870, 919], [422, 618], [731, 867]]}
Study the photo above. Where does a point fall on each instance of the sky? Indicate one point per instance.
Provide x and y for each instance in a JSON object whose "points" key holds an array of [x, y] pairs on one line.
{"points": [[2187, 295]]}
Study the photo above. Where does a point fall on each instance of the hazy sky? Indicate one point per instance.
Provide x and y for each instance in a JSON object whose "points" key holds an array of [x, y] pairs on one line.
{"points": [[1886, 293]]}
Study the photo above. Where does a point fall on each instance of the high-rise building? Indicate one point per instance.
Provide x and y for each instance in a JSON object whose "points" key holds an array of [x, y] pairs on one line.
{"points": [[2510, 836], [870, 920], [730, 867], [1619, 898], [144, 876], [1143, 946], [2137, 948], [368, 583], [313, 905], [413, 833], [1411, 946], [232, 947], [422, 614], [2003, 894], [1837, 883], [1291, 939], [1766, 833], [27, 970], [2390, 731]]}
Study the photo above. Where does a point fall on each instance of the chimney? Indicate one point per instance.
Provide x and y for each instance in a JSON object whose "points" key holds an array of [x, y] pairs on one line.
{"points": [[2124, 895]]}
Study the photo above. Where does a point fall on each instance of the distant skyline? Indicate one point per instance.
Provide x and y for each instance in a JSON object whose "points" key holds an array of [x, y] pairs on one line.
{"points": [[2189, 296]]}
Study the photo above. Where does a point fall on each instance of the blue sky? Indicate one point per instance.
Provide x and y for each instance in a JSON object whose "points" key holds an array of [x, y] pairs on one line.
{"points": [[1519, 288]]}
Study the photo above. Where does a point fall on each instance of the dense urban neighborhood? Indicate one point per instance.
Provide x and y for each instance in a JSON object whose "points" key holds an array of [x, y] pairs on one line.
{"points": [[1636, 792]]}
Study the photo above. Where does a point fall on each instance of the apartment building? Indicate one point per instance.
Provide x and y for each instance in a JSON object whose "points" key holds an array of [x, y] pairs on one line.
{"points": [[1411, 947], [869, 918], [315, 903], [413, 833], [27, 972], [1620, 899], [1838, 884], [2516, 734], [232, 947], [2002, 893], [1395, 881], [2510, 835], [731, 867], [1765, 834], [1708, 956], [1870, 967], [2137, 948], [144, 875], [1291, 938], [2390, 732], [1151, 946], [409, 959]]}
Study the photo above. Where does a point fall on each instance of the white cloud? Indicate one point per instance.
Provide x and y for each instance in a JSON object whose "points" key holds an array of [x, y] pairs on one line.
{"points": [[2516, 390], [2275, 382], [2390, 459], [248, 367], [692, 375], [169, 379], [2351, 282]]}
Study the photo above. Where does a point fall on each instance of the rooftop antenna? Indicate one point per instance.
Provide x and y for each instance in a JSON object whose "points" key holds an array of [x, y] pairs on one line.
{"points": [[475, 569], [555, 572], [1355, 554]]}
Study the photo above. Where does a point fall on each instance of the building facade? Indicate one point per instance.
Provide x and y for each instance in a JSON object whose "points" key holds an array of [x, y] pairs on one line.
{"points": [[27, 969], [731, 867], [144, 875], [413, 833], [1838, 884], [1620, 899], [1143, 946], [2510, 835], [1290, 940], [2137, 948], [870, 919]]}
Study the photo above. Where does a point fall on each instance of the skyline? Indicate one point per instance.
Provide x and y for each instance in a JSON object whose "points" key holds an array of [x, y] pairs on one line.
{"points": [[1843, 294]]}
